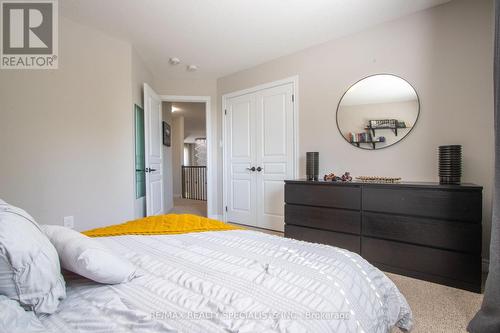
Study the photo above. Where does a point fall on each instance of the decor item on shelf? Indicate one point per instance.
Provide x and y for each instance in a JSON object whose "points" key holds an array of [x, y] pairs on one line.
{"points": [[376, 179], [357, 138], [377, 111], [346, 177], [166, 134], [331, 177], [450, 164], [385, 124], [312, 165]]}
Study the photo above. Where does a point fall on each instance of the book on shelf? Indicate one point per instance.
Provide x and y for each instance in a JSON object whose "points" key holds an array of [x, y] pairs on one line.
{"points": [[364, 138]]}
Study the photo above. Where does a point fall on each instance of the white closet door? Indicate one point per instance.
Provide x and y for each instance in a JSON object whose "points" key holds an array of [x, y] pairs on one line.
{"points": [[274, 153], [240, 156], [259, 156]]}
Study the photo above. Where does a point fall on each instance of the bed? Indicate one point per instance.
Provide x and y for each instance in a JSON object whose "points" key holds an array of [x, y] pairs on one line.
{"points": [[232, 281]]}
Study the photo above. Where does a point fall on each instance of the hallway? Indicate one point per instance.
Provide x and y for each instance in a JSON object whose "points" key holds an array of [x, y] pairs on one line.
{"points": [[187, 206]]}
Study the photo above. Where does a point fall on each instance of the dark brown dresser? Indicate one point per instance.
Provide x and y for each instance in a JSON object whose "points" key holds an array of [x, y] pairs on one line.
{"points": [[422, 230]]}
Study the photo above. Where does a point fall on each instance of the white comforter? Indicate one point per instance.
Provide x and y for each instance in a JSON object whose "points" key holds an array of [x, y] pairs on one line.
{"points": [[233, 281]]}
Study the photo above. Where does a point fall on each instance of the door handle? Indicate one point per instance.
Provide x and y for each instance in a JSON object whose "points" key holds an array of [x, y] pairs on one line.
{"points": [[150, 170], [259, 169], [251, 169]]}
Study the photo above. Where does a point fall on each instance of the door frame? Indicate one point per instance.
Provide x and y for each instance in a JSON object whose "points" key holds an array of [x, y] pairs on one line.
{"points": [[294, 80], [211, 175]]}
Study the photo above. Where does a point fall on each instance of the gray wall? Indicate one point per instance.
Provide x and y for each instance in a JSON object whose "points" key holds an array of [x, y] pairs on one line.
{"points": [[67, 135], [445, 53], [177, 154]]}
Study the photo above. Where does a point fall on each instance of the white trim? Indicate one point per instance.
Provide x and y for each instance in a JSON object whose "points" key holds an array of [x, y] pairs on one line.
{"points": [[294, 80], [211, 157], [291, 79], [185, 99], [216, 217]]}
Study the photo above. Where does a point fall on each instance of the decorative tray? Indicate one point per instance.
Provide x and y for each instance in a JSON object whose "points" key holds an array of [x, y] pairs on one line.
{"points": [[375, 179]]}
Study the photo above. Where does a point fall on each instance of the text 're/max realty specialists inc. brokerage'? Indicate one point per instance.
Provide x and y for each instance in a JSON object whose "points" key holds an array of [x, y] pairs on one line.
{"points": [[29, 34]]}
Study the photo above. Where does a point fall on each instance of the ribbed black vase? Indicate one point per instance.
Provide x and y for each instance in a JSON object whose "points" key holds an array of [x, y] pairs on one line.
{"points": [[450, 164], [312, 165]]}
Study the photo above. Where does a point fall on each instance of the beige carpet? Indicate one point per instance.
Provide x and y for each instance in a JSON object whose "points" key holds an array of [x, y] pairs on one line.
{"points": [[186, 206], [437, 308]]}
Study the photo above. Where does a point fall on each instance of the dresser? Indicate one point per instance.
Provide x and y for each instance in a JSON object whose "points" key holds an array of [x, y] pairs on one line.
{"points": [[422, 230]]}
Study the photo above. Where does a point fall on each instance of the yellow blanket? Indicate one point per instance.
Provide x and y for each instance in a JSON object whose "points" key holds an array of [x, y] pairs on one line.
{"points": [[162, 225]]}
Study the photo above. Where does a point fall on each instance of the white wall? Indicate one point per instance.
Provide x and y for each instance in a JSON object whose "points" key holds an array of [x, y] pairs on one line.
{"points": [[195, 124], [140, 75], [445, 53], [66, 135], [168, 195], [177, 154]]}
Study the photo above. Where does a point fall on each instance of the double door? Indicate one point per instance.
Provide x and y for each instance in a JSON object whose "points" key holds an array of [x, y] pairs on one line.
{"points": [[259, 156]]}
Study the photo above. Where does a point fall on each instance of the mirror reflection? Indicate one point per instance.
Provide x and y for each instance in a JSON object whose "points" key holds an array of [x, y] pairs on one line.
{"points": [[377, 111]]}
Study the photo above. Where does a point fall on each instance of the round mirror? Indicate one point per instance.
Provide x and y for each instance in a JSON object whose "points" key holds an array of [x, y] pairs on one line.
{"points": [[378, 111]]}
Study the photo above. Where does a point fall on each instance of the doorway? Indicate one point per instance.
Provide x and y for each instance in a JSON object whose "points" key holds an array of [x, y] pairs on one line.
{"points": [[192, 157], [165, 138], [189, 157]]}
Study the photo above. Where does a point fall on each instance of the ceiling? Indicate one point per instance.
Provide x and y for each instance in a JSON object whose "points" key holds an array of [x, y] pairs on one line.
{"points": [[225, 36]]}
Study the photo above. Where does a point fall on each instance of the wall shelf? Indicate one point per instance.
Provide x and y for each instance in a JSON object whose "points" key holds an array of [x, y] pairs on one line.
{"points": [[393, 128], [369, 142]]}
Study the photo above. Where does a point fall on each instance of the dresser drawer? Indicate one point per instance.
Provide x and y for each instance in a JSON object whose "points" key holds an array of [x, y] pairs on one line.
{"points": [[324, 195], [344, 241], [419, 259], [440, 204], [458, 236], [324, 218]]}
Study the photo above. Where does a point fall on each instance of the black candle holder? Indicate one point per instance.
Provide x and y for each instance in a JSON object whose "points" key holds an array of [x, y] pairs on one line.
{"points": [[450, 164], [312, 165]]}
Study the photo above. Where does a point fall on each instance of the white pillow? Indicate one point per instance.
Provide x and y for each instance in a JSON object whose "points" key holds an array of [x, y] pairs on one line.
{"points": [[29, 265], [87, 257]]}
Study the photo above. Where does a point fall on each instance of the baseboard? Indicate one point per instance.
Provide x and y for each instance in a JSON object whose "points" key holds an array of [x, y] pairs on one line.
{"points": [[486, 265], [216, 217]]}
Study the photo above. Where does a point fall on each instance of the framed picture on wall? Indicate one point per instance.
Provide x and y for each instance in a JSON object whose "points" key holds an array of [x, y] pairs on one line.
{"points": [[166, 134]]}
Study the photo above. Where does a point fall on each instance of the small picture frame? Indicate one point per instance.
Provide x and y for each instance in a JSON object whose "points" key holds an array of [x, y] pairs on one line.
{"points": [[166, 134]]}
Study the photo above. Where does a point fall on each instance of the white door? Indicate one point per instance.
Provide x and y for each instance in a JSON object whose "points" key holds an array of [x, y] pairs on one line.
{"points": [[275, 151], [153, 152], [240, 156], [259, 156]]}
